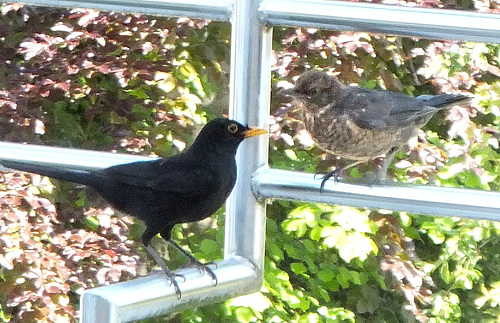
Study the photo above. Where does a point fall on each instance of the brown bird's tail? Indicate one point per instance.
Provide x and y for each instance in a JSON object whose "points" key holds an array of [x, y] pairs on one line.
{"points": [[444, 100]]}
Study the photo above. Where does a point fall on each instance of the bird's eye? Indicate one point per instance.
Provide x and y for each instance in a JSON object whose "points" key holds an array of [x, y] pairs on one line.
{"points": [[233, 128]]}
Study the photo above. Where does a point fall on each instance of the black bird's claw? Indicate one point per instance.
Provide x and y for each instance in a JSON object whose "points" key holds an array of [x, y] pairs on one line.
{"points": [[211, 263], [204, 268], [172, 278], [212, 274], [193, 262]]}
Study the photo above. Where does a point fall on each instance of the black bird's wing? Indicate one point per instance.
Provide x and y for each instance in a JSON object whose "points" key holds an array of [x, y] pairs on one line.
{"points": [[373, 109], [167, 175], [174, 175]]}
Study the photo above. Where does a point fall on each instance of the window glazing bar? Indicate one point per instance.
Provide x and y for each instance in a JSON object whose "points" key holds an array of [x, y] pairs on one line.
{"points": [[419, 199], [385, 19], [213, 9], [153, 296], [249, 99]]}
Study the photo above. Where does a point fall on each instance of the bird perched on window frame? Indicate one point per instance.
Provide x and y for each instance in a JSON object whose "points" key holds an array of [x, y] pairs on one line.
{"points": [[358, 123], [163, 192]]}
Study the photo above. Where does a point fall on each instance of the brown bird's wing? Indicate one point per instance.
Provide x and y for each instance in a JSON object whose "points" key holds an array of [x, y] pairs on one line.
{"points": [[373, 109]]}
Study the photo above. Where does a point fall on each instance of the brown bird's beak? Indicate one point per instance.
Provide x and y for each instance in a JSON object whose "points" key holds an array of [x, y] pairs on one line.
{"points": [[254, 131], [287, 92]]}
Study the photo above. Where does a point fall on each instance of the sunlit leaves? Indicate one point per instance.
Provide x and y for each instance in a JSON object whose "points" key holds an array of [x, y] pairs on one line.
{"points": [[346, 234], [300, 219], [298, 252], [166, 81], [491, 295], [446, 308]]}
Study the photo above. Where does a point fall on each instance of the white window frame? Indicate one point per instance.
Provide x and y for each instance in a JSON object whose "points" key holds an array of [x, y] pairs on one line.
{"points": [[241, 271]]}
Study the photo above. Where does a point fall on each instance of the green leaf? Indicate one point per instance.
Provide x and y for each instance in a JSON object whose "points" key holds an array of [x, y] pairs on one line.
{"points": [[138, 93], [315, 233], [92, 222], [356, 246], [244, 314], [290, 154], [209, 246], [326, 275], [298, 268], [299, 226], [275, 252], [444, 272], [165, 81], [472, 180]]}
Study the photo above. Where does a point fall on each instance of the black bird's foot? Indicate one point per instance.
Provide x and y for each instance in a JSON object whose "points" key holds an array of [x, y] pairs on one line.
{"points": [[171, 276], [203, 268], [193, 262]]}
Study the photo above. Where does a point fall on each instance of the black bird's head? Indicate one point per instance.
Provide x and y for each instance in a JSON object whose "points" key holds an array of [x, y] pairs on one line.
{"points": [[314, 90], [224, 136]]}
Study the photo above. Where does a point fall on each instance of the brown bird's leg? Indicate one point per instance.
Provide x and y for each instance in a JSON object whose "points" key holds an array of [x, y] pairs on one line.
{"points": [[195, 262], [170, 275], [387, 162], [336, 173]]}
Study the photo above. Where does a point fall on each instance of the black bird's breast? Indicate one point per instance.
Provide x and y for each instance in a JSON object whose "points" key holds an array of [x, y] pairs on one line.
{"points": [[206, 202], [167, 192]]}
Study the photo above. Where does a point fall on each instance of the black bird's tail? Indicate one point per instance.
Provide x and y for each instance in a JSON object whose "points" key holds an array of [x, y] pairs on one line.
{"points": [[70, 175], [443, 100]]}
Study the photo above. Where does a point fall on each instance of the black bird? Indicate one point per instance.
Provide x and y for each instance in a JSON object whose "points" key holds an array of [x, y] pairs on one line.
{"points": [[187, 187], [358, 123]]}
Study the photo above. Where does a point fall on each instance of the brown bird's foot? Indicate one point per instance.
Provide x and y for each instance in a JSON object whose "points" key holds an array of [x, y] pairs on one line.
{"points": [[334, 173], [193, 262], [376, 178], [367, 179], [171, 276]]}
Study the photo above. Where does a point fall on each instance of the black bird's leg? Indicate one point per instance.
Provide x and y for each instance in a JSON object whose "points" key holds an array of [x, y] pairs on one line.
{"points": [[169, 274], [146, 237], [195, 262]]}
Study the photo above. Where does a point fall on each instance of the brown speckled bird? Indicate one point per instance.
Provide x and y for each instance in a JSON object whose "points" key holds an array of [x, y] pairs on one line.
{"points": [[358, 123]]}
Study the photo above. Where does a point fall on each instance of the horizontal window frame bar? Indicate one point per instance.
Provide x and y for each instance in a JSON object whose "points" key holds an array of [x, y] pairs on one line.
{"points": [[441, 24], [214, 9], [415, 199], [153, 295]]}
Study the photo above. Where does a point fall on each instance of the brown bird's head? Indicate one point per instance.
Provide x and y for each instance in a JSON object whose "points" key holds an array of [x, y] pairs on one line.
{"points": [[314, 90]]}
